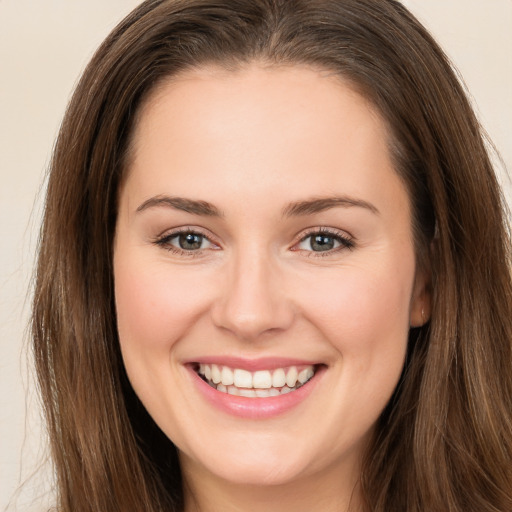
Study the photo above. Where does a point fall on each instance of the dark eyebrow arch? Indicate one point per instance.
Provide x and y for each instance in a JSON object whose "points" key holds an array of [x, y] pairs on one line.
{"points": [[321, 204], [183, 204]]}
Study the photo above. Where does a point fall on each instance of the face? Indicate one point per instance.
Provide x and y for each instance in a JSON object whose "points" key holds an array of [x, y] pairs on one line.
{"points": [[265, 275]]}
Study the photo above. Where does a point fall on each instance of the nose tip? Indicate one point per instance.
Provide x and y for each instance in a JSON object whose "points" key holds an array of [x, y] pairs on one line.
{"points": [[253, 303]]}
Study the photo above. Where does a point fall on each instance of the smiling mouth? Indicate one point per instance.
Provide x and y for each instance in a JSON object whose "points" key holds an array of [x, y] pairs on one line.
{"points": [[258, 384]]}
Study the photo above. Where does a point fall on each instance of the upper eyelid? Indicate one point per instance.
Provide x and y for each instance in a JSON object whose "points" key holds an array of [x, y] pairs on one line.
{"points": [[299, 237], [164, 241], [170, 233], [346, 240], [324, 230]]}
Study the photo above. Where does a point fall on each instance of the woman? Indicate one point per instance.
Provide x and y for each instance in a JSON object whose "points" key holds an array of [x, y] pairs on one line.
{"points": [[274, 270]]}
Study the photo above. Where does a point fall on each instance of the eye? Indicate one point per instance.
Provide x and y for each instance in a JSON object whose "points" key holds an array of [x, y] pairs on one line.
{"points": [[186, 241], [324, 241]]}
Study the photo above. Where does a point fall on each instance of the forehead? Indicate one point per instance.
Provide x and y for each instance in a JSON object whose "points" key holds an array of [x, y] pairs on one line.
{"points": [[275, 128], [271, 91]]}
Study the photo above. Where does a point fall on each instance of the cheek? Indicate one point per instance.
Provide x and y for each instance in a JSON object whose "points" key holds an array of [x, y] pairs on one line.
{"points": [[362, 301], [365, 318], [364, 314], [155, 307]]}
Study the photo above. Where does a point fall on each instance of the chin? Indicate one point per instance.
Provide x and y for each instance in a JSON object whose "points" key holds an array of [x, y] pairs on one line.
{"points": [[261, 473], [259, 461]]}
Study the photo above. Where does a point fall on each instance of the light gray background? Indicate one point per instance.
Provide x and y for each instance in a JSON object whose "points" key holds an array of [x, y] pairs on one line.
{"points": [[44, 44]]}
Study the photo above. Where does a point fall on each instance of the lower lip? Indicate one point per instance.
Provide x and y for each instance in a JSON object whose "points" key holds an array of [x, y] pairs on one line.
{"points": [[256, 408]]}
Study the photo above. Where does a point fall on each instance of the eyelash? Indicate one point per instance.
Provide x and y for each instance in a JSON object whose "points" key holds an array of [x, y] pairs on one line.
{"points": [[165, 242], [345, 241]]}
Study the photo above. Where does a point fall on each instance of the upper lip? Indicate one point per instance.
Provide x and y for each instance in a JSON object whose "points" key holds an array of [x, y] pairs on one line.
{"points": [[252, 365]]}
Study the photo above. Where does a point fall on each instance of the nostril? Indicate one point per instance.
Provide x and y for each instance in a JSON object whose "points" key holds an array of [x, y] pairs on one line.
{"points": [[250, 320], [252, 301]]}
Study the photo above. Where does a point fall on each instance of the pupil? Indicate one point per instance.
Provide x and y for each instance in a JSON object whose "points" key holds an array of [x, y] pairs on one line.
{"points": [[190, 241], [322, 243]]}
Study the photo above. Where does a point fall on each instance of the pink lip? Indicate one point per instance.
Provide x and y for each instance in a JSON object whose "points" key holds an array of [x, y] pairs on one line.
{"points": [[253, 408], [252, 365]]}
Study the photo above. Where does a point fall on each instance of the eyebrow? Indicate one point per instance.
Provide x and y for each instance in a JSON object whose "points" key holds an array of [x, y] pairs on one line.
{"points": [[321, 204], [180, 203], [298, 208]]}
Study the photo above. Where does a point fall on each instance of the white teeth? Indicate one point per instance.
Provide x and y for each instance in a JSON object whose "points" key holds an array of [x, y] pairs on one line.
{"points": [[261, 383], [252, 393], [227, 376], [249, 393], [233, 390], [291, 377], [216, 374], [262, 393], [262, 380], [305, 375], [242, 378], [278, 378]]}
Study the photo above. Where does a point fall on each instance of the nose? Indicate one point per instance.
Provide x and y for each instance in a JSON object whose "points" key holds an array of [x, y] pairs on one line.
{"points": [[253, 300]]}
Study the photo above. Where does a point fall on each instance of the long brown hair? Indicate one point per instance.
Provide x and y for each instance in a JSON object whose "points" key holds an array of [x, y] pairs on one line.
{"points": [[444, 442]]}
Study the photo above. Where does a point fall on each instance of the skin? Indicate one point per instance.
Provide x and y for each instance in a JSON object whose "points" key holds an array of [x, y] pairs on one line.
{"points": [[251, 142]]}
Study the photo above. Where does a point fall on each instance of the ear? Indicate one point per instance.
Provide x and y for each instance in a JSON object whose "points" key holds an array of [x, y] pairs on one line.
{"points": [[421, 305]]}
